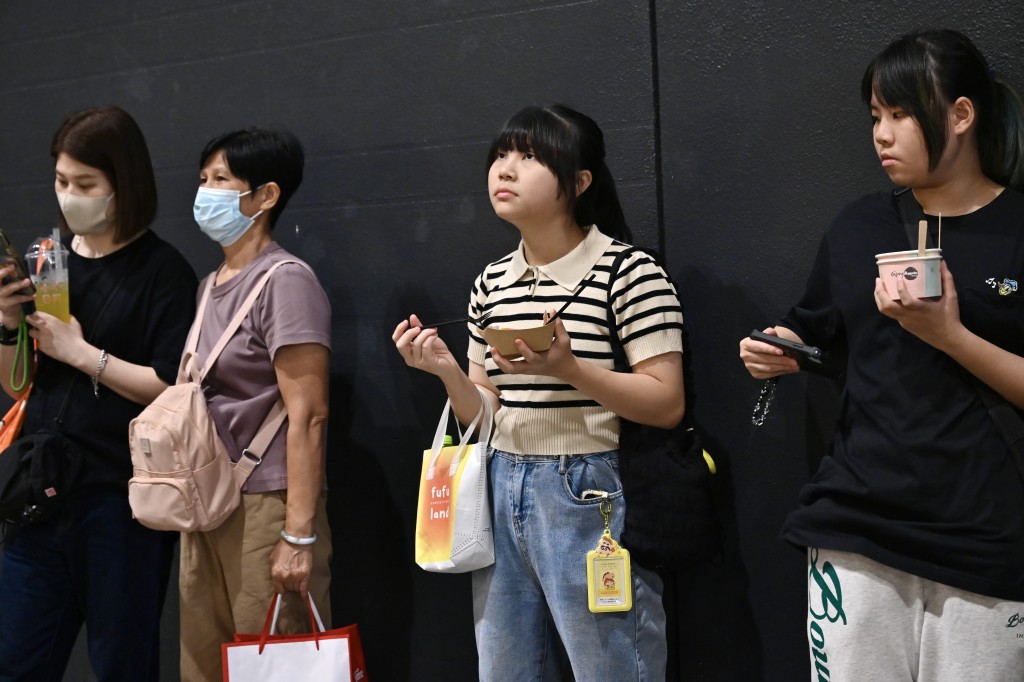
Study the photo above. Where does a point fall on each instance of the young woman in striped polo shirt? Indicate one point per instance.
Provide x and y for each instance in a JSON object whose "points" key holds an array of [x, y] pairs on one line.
{"points": [[557, 412]]}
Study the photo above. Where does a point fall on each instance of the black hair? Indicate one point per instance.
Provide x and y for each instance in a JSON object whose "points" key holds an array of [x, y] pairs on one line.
{"points": [[109, 139], [925, 72], [567, 142], [261, 155]]}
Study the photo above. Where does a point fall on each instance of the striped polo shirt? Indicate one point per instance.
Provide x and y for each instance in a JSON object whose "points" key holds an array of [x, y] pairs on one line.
{"points": [[541, 415]]}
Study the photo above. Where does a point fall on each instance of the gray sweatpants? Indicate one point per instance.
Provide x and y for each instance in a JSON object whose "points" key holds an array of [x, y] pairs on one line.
{"points": [[867, 622]]}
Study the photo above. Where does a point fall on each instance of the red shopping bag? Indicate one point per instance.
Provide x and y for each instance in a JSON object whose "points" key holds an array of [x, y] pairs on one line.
{"points": [[327, 656]]}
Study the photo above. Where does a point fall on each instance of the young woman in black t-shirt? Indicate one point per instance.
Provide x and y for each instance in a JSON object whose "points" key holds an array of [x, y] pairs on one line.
{"points": [[132, 300], [915, 523]]}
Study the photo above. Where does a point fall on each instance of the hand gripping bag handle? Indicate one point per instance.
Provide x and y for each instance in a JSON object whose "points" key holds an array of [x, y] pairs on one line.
{"points": [[270, 624]]}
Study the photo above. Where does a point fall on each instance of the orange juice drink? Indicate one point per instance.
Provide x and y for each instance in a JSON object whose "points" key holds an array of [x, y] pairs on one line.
{"points": [[52, 297]]}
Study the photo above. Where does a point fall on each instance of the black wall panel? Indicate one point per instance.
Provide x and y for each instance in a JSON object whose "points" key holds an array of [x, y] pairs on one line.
{"points": [[753, 106]]}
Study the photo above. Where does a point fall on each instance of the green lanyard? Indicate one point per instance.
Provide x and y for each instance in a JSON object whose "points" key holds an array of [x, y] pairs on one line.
{"points": [[21, 353]]}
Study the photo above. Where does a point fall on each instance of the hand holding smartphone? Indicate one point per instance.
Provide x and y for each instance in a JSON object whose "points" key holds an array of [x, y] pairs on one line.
{"points": [[10, 256], [808, 357]]}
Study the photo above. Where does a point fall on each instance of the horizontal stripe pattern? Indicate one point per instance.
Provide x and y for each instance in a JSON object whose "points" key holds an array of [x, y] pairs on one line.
{"points": [[540, 415]]}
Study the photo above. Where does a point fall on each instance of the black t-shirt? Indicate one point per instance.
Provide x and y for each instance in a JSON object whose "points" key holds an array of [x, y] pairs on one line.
{"points": [[144, 296], [918, 478]]}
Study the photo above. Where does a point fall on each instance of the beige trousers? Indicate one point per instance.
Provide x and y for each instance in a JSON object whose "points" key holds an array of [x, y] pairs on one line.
{"points": [[225, 582]]}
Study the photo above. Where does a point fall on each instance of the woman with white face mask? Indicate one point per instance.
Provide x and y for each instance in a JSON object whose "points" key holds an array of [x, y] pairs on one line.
{"points": [[131, 302], [277, 541]]}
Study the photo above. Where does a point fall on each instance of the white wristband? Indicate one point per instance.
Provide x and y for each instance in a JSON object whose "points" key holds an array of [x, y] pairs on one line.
{"points": [[291, 539]]}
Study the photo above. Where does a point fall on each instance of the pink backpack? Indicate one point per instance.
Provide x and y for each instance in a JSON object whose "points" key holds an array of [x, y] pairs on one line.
{"points": [[183, 478]]}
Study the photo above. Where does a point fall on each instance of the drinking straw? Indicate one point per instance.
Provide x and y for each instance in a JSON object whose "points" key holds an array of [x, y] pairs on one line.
{"points": [[57, 250]]}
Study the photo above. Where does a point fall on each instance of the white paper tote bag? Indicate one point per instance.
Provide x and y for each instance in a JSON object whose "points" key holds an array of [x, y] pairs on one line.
{"points": [[321, 656], [453, 518]]}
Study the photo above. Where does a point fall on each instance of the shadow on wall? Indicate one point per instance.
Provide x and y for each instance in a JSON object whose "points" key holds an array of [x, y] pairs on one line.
{"points": [[753, 577], [716, 637], [383, 415], [370, 581], [708, 596]]}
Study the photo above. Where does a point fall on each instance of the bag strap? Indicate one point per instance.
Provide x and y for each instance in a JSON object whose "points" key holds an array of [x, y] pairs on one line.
{"points": [[483, 414], [270, 624], [59, 419], [234, 324], [1006, 419], [486, 416], [619, 351], [911, 214], [253, 454]]}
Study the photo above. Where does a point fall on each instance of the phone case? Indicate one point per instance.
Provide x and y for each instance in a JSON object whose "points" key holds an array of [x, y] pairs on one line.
{"points": [[9, 256], [804, 354]]}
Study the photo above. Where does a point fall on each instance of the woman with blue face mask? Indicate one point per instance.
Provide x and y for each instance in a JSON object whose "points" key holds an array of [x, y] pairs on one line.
{"points": [[131, 299], [278, 540]]}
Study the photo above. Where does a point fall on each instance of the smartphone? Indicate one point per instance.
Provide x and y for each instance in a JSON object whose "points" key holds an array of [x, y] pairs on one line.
{"points": [[8, 256], [809, 357]]}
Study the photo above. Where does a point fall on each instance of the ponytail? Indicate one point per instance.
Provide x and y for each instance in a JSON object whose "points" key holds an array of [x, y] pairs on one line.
{"points": [[1004, 160], [925, 72], [599, 205]]}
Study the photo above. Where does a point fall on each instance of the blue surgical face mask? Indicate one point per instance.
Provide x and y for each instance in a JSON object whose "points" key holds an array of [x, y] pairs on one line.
{"points": [[220, 216]]}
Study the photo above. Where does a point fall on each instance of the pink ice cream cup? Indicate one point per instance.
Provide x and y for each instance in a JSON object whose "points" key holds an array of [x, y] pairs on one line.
{"points": [[921, 274]]}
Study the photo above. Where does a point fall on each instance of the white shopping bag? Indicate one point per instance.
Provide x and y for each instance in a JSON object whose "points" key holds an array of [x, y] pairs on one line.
{"points": [[315, 657], [453, 518]]}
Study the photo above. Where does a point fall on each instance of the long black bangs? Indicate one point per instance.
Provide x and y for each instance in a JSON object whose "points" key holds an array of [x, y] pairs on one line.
{"points": [[548, 137], [902, 77]]}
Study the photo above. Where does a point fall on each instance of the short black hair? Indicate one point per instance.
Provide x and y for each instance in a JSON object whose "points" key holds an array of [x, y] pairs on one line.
{"points": [[567, 142], [109, 139], [261, 155]]}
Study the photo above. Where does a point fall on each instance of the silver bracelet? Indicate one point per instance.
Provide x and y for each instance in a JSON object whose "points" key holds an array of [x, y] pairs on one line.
{"points": [[291, 539], [99, 370]]}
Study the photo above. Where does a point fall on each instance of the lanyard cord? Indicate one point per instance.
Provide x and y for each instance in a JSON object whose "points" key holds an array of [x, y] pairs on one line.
{"points": [[21, 348], [21, 353]]}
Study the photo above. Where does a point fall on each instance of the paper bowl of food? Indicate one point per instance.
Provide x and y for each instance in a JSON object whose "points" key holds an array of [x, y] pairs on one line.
{"points": [[504, 339]]}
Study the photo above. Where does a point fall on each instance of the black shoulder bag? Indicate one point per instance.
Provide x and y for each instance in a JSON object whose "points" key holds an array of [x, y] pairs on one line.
{"points": [[1007, 420], [671, 520], [38, 470]]}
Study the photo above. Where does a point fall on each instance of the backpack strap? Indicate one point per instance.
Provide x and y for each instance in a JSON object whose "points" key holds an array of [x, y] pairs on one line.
{"points": [[236, 321], [253, 454], [193, 334]]}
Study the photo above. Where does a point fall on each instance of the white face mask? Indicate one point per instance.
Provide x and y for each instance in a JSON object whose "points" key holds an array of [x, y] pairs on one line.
{"points": [[85, 215]]}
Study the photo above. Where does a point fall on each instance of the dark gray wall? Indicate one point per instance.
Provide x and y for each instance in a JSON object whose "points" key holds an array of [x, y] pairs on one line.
{"points": [[753, 108]]}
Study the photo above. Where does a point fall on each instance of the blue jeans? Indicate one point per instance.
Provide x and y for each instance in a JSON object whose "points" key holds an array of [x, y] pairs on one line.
{"points": [[92, 563], [542, 533]]}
